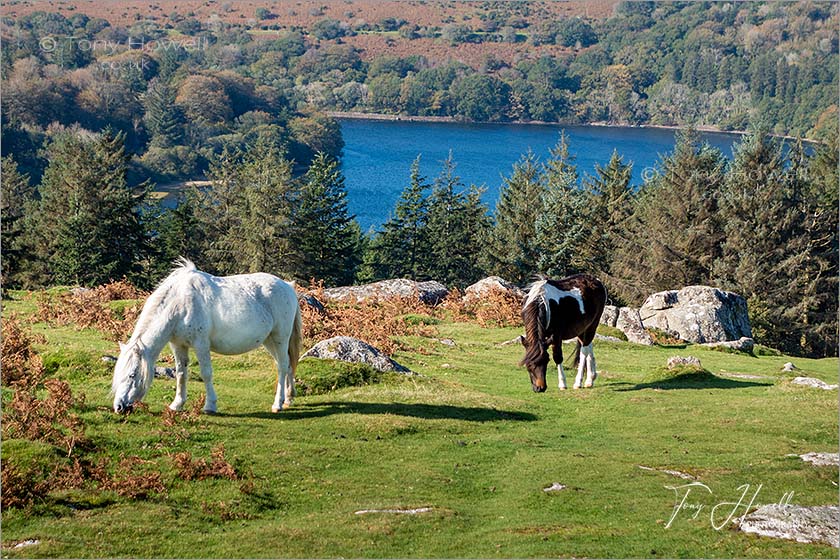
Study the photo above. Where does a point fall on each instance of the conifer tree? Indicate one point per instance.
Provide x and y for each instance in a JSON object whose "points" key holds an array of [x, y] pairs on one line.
{"points": [[513, 250], [400, 250], [673, 237], [563, 231], [164, 119], [87, 228], [180, 234], [611, 203], [326, 237], [16, 197], [780, 247], [456, 231]]}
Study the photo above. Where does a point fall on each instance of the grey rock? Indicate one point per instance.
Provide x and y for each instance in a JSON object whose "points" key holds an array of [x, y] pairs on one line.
{"points": [[789, 366], [555, 487], [822, 459], [430, 292], [630, 323], [164, 372], [698, 314], [743, 344], [349, 349], [610, 315], [109, 359], [313, 302], [447, 342], [607, 338], [517, 340], [491, 284], [817, 524], [682, 361], [813, 382]]}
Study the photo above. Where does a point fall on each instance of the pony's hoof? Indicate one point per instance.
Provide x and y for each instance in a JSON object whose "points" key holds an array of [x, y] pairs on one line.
{"points": [[589, 385], [176, 407], [275, 410], [209, 412], [576, 387], [562, 388], [287, 405]]}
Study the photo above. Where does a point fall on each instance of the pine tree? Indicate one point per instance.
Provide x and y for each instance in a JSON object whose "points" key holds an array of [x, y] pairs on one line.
{"points": [[401, 249], [16, 197], [673, 237], [781, 242], [180, 233], [513, 248], [611, 200], [326, 237], [164, 119], [456, 232], [87, 228], [263, 234], [563, 232]]}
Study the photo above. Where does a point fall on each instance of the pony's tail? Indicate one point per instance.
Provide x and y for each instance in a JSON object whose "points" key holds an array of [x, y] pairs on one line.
{"points": [[295, 341], [577, 352]]}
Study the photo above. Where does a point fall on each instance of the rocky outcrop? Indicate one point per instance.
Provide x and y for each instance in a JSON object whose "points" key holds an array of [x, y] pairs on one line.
{"points": [[822, 459], [610, 315], [698, 314], [630, 323], [430, 292], [489, 285], [818, 524], [349, 349]]}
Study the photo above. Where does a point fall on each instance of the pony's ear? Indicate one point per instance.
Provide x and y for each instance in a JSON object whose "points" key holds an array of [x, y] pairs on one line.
{"points": [[523, 340]]}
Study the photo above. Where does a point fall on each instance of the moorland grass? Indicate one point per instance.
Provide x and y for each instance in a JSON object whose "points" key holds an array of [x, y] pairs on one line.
{"points": [[467, 438]]}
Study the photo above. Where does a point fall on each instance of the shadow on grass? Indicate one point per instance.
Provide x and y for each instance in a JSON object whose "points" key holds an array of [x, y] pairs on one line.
{"points": [[692, 380], [415, 410]]}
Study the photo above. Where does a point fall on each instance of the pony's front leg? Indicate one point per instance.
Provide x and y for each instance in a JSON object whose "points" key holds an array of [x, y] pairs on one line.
{"points": [[591, 373], [581, 365], [203, 355], [181, 363], [557, 354]]}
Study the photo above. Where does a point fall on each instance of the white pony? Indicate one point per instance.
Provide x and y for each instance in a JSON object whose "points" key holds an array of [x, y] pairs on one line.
{"points": [[229, 315]]}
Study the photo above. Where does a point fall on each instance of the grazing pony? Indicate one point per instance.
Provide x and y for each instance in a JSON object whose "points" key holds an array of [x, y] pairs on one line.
{"points": [[228, 315], [558, 310]]}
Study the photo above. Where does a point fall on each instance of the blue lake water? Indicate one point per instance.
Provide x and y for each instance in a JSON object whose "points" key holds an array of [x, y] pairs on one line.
{"points": [[378, 155]]}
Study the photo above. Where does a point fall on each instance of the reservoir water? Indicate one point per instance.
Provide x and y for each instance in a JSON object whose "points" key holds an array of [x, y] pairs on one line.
{"points": [[378, 155]]}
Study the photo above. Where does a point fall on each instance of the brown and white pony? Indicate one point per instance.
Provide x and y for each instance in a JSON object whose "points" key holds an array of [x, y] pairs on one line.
{"points": [[558, 310]]}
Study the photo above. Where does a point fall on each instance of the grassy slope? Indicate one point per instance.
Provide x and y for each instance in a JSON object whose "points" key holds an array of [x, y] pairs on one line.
{"points": [[469, 439]]}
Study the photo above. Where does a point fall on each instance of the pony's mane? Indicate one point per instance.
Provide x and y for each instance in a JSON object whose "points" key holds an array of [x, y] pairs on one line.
{"points": [[181, 266], [534, 329]]}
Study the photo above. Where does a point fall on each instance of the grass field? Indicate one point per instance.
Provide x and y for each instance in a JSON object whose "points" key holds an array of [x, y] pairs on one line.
{"points": [[466, 438]]}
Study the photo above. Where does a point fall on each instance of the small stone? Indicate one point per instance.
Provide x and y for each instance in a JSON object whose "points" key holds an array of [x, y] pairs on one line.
{"points": [[682, 361], [789, 367], [413, 511], [164, 373], [555, 487], [447, 341], [109, 359], [812, 382]]}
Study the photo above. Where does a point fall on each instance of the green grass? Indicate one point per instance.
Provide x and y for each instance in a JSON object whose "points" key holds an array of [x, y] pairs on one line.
{"points": [[467, 437]]}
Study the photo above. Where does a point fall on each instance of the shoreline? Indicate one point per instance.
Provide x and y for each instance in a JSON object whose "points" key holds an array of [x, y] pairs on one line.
{"points": [[358, 115]]}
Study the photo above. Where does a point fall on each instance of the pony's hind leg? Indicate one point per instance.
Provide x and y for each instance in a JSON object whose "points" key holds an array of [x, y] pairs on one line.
{"points": [[285, 378], [591, 373], [203, 355], [181, 362]]}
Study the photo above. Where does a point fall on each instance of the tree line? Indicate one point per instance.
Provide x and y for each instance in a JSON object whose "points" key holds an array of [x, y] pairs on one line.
{"points": [[764, 225]]}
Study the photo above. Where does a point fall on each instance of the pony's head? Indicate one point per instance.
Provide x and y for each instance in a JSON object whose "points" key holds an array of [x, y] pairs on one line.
{"points": [[536, 361], [133, 376]]}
